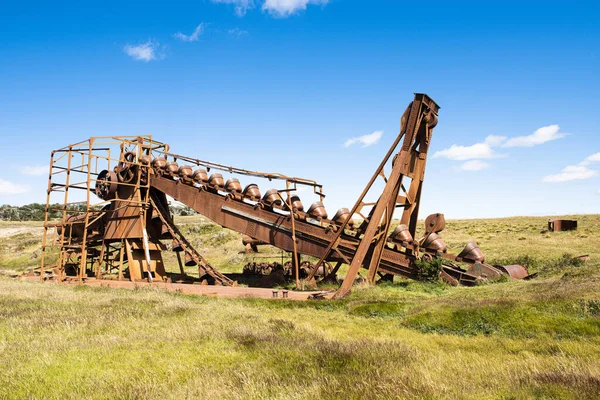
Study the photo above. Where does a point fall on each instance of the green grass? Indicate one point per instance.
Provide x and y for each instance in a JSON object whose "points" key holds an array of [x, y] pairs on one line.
{"points": [[506, 340]]}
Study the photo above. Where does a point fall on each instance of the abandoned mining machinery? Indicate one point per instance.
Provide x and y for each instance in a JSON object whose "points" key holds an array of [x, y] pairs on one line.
{"points": [[120, 236]]}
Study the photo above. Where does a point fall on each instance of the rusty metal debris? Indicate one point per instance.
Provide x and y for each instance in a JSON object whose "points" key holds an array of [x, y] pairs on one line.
{"points": [[122, 236], [559, 225]]}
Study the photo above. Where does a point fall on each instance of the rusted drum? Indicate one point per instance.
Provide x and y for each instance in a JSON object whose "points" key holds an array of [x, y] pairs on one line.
{"points": [[434, 242], [186, 173], [272, 198], [172, 168], [155, 215], [296, 203], [401, 234], [176, 246], [343, 215], [247, 240], [252, 192], [200, 176], [216, 181], [189, 260], [164, 232], [145, 159], [472, 252], [233, 185], [317, 210], [515, 271], [159, 163]]}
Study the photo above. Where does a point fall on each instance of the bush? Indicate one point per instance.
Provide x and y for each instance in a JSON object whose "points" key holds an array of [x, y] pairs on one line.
{"points": [[428, 271]]}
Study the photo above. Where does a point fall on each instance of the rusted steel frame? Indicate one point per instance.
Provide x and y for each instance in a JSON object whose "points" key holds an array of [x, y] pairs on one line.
{"points": [[295, 261], [333, 272], [102, 254], [174, 231], [181, 270], [382, 239], [145, 206], [83, 263], [357, 204], [274, 228], [109, 140], [62, 169], [365, 243], [121, 253], [61, 262], [241, 171], [389, 193], [411, 213], [44, 236], [72, 186]]}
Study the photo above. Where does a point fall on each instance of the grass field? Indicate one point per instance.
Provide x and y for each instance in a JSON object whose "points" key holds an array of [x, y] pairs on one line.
{"points": [[508, 340]]}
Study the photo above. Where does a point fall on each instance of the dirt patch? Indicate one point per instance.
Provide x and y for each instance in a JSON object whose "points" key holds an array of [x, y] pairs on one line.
{"points": [[8, 232]]}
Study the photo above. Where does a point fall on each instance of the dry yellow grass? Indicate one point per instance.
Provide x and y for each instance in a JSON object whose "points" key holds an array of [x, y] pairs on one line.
{"points": [[512, 339]]}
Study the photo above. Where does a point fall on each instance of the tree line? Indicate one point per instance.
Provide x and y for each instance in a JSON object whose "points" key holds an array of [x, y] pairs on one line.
{"points": [[35, 211]]}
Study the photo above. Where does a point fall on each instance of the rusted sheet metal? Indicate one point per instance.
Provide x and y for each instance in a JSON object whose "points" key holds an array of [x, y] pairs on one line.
{"points": [[515, 271], [273, 228], [559, 225]]}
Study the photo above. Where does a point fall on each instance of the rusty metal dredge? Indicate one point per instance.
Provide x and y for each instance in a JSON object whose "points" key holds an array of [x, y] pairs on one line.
{"points": [[120, 236]]}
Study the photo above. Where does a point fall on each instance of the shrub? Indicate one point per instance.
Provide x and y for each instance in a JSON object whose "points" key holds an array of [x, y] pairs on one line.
{"points": [[428, 270]]}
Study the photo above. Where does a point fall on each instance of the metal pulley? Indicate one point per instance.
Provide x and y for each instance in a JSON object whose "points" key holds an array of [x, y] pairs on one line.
{"points": [[435, 223], [126, 169], [106, 185]]}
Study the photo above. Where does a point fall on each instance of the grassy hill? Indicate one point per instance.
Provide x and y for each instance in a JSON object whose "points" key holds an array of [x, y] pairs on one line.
{"points": [[511, 339]]}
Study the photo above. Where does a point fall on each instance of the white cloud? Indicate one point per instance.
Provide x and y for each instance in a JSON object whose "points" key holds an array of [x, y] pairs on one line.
{"points": [[477, 151], [474, 165], [285, 8], [366, 140], [144, 52], [461, 153], [237, 32], [571, 173], [575, 172], [9, 188], [540, 136], [591, 159], [193, 37], [35, 170], [494, 140], [241, 6]]}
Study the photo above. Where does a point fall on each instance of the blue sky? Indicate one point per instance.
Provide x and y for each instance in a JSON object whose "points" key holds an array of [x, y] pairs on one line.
{"points": [[282, 85]]}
